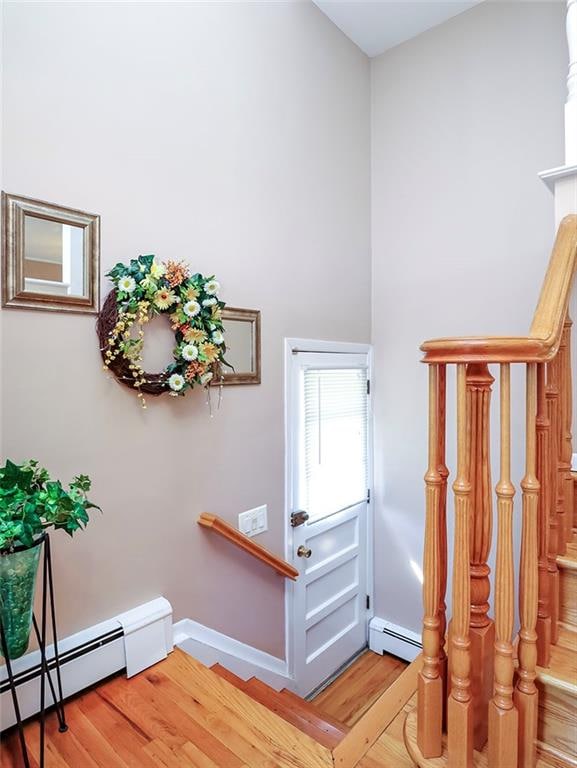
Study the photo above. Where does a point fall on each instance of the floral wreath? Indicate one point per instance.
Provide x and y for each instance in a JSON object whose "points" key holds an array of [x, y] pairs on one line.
{"points": [[145, 288]]}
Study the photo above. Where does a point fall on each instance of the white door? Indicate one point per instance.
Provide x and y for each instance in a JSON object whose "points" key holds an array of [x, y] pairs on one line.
{"points": [[328, 503]]}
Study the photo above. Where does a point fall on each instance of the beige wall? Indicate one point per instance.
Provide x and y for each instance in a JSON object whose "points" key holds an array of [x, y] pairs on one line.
{"points": [[464, 116], [42, 270], [235, 136]]}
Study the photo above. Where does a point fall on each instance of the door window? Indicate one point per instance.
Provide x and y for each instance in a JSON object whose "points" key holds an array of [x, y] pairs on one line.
{"points": [[334, 453]]}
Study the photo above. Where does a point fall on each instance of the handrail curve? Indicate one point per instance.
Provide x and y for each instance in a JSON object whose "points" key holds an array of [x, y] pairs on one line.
{"points": [[542, 343]]}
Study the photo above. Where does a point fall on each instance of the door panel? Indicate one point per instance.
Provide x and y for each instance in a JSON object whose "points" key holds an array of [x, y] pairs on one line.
{"points": [[329, 629], [323, 588], [329, 480], [332, 540]]}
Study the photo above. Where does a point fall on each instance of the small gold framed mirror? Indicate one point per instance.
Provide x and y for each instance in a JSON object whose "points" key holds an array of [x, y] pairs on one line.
{"points": [[242, 338], [50, 256]]}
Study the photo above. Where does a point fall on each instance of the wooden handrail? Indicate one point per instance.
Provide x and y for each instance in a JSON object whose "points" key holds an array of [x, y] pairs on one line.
{"points": [[227, 531], [544, 338], [485, 699]]}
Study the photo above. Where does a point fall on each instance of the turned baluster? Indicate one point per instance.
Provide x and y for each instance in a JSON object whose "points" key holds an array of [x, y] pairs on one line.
{"points": [[482, 634], [503, 717], [561, 467], [543, 475], [525, 695], [567, 444], [430, 682], [444, 473], [552, 395], [459, 710]]}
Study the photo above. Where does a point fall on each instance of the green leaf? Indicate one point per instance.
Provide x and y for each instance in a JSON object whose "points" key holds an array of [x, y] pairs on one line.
{"points": [[31, 502]]}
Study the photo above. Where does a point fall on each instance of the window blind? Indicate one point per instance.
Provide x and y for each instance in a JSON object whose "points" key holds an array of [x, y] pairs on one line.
{"points": [[335, 439]]}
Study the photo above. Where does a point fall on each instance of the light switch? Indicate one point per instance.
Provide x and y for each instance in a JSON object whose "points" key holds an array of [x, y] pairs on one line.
{"points": [[253, 521]]}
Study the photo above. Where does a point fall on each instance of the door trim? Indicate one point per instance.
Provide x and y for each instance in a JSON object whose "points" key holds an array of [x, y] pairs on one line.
{"points": [[291, 347]]}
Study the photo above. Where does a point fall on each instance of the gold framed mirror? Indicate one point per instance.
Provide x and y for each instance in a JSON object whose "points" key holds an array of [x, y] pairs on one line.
{"points": [[242, 338], [50, 256]]}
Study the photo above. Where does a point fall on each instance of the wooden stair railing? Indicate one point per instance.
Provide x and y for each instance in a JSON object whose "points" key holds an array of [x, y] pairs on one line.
{"points": [[485, 699], [227, 531]]}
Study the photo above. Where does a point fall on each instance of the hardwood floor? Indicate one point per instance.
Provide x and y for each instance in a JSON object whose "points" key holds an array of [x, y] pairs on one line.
{"points": [[179, 714], [353, 692]]}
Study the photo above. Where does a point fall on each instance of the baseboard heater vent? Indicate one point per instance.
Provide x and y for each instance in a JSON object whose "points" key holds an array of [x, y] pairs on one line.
{"points": [[26, 675], [129, 642], [386, 637]]}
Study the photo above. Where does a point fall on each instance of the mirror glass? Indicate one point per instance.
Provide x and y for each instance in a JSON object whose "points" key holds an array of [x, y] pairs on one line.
{"points": [[50, 256], [242, 339], [240, 345], [53, 258]]}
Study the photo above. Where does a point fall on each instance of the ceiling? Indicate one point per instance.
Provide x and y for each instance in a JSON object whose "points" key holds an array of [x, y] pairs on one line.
{"points": [[379, 25]]}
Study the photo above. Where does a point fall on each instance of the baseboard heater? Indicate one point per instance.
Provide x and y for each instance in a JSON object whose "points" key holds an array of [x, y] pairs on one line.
{"points": [[386, 637], [129, 642], [26, 675]]}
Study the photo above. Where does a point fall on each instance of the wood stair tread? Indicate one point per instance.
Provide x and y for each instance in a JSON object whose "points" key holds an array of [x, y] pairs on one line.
{"points": [[557, 685], [314, 711], [480, 759], [298, 714], [562, 670], [226, 674], [567, 565], [279, 741], [290, 707], [569, 559]]}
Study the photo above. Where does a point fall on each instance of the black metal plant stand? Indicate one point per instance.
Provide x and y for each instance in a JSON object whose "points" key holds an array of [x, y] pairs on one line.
{"points": [[47, 593]]}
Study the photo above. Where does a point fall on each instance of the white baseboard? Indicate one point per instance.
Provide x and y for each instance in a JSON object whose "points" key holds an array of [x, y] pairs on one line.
{"points": [[212, 647], [132, 641], [386, 637]]}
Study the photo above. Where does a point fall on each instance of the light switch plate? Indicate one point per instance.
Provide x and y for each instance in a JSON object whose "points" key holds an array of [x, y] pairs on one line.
{"points": [[253, 521]]}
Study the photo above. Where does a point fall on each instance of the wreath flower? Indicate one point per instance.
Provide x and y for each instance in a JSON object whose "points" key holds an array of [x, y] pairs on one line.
{"points": [[145, 288], [191, 308], [126, 284]]}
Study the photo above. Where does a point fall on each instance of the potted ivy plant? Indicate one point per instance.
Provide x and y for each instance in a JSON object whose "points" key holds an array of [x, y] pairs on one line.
{"points": [[30, 504]]}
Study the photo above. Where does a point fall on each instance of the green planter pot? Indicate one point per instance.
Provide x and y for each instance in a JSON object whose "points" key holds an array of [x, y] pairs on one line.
{"points": [[18, 570]]}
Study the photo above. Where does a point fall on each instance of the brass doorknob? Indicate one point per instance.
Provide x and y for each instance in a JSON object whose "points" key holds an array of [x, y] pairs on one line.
{"points": [[303, 551]]}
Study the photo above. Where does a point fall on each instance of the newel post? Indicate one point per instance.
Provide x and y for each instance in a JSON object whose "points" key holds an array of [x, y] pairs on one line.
{"points": [[482, 629]]}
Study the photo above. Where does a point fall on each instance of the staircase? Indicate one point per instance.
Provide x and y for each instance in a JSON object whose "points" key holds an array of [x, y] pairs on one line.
{"points": [[180, 713], [365, 743], [291, 708], [485, 697], [557, 684]]}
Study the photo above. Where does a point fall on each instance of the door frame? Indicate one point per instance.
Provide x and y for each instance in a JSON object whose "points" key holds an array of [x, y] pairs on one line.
{"points": [[291, 346]]}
